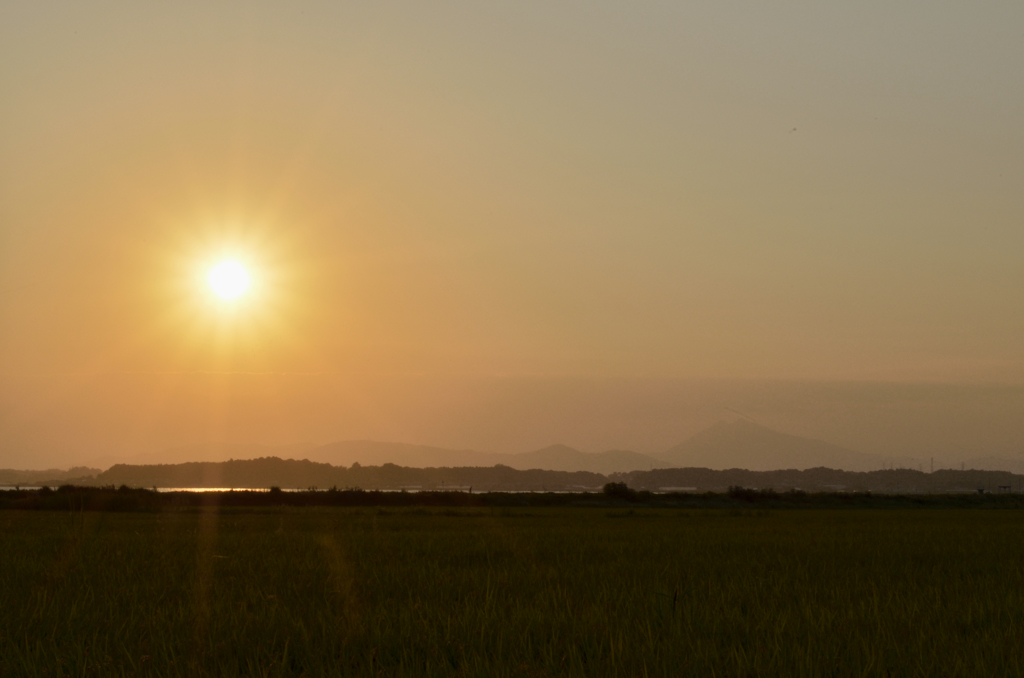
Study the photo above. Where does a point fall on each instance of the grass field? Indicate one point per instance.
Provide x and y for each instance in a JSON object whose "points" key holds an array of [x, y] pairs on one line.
{"points": [[492, 592]]}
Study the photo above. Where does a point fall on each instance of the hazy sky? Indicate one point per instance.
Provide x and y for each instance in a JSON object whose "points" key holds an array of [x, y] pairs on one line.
{"points": [[679, 190]]}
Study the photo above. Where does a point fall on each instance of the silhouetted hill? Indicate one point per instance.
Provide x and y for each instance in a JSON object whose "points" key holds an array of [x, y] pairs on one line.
{"points": [[373, 453], [552, 458], [289, 473], [743, 444], [996, 464], [219, 452]]}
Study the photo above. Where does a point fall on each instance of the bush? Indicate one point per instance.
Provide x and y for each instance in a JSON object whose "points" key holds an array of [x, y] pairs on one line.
{"points": [[751, 494], [619, 491]]}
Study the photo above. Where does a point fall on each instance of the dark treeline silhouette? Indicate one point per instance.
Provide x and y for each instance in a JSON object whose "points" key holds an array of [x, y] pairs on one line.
{"points": [[301, 474]]}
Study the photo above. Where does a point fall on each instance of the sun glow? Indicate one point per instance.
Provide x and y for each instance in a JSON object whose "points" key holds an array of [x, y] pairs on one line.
{"points": [[235, 294], [229, 280]]}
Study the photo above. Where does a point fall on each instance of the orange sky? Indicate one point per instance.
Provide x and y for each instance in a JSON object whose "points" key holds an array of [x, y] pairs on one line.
{"points": [[528, 191]]}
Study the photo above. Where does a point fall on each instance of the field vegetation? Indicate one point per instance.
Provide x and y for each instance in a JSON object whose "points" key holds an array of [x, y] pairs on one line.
{"points": [[621, 590]]}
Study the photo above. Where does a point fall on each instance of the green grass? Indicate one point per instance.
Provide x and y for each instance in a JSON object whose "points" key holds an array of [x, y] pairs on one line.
{"points": [[493, 592]]}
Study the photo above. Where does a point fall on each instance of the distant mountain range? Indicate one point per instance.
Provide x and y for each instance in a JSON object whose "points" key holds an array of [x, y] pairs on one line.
{"points": [[733, 453], [736, 444], [726, 445]]}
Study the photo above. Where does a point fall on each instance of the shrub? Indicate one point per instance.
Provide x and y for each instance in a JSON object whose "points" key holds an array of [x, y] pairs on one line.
{"points": [[619, 491], [751, 494]]}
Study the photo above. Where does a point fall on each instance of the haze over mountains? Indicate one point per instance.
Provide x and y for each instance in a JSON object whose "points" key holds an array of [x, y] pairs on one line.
{"points": [[124, 421], [728, 444], [735, 444], [747, 445], [739, 446], [739, 443]]}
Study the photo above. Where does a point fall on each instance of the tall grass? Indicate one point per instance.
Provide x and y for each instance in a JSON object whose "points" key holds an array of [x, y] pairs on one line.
{"points": [[504, 592]]}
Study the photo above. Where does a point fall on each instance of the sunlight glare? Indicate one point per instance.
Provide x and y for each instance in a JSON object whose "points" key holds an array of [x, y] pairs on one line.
{"points": [[229, 280]]}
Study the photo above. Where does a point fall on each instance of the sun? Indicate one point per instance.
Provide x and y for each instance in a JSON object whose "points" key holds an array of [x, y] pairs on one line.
{"points": [[229, 279]]}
